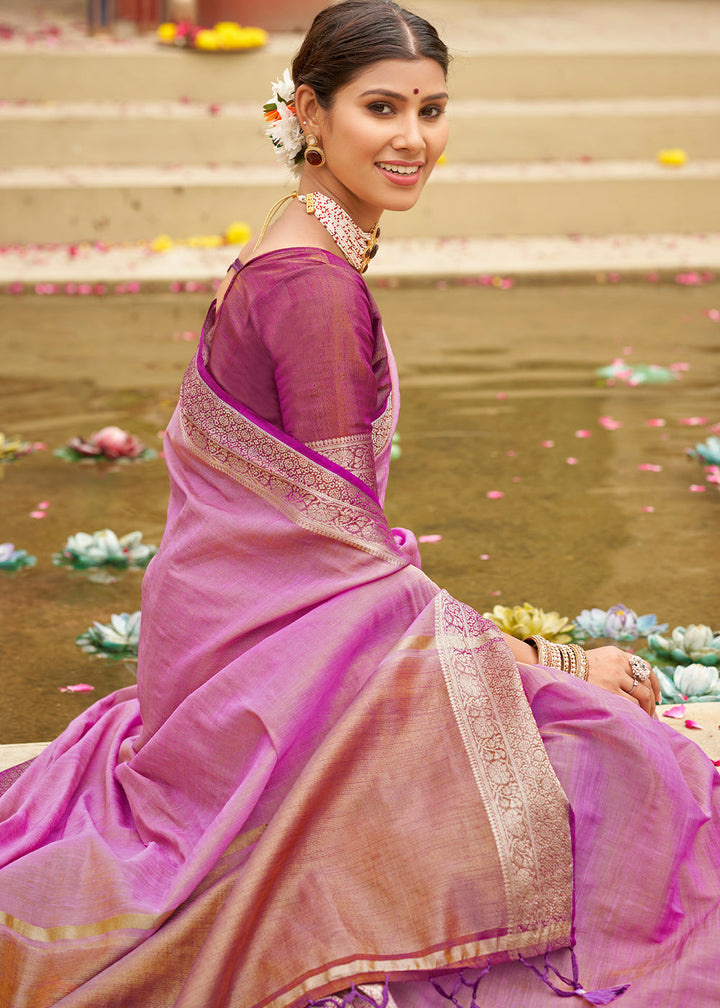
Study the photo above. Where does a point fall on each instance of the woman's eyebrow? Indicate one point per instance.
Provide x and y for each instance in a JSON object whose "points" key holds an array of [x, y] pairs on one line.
{"points": [[400, 97]]}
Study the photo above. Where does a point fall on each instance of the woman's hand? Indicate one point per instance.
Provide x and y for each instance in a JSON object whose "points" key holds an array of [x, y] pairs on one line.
{"points": [[610, 668]]}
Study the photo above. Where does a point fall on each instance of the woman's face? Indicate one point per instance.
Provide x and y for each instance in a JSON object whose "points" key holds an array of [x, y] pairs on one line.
{"points": [[383, 135]]}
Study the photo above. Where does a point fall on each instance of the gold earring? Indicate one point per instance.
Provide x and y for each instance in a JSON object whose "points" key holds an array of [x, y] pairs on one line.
{"points": [[314, 155]]}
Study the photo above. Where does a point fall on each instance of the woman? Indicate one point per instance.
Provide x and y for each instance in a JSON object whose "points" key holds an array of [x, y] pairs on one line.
{"points": [[335, 784]]}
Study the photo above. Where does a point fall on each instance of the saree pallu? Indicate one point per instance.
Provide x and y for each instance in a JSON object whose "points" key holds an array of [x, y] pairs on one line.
{"points": [[328, 775]]}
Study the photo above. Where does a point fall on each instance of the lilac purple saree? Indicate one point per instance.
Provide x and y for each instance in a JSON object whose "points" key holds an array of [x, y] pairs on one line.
{"points": [[331, 773]]}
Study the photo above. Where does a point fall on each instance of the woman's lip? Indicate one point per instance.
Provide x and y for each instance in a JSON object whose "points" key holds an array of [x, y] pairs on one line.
{"points": [[403, 180]]}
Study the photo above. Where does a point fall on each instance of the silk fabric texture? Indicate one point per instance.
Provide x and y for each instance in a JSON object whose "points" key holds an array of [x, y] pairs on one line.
{"points": [[331, 772]]}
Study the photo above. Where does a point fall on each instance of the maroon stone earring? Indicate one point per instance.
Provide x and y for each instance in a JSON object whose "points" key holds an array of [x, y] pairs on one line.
{"points": [[314, 155]]}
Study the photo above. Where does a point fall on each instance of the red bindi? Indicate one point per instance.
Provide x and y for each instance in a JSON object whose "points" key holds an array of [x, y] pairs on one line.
{"points": [[416, 91]]}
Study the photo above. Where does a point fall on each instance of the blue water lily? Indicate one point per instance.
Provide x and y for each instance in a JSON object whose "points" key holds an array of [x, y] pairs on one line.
{"points": [[707, 451], [619, 623], [694, 644], [13, 559], [117, 639], [694, 683]]}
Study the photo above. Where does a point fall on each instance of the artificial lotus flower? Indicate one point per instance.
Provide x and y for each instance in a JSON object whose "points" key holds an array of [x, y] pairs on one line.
{"points": [[708, 451], [619, 623], [693, 683], [109, 442], [104, 549], [635, 374], [117, 639], [695, 643], [524, 620], [114, 443], [12, 559], [12, 448]]}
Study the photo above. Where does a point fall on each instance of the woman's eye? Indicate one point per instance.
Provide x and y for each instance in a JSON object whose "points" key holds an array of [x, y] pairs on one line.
{"points": [[381, 108], [432, 111]]}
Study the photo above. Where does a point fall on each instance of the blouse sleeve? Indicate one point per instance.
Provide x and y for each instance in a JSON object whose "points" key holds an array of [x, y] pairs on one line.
{"points": [[321, 336]]}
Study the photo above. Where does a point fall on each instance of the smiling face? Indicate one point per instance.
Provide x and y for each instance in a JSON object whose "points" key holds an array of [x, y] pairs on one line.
{"points": [[381, 136]]}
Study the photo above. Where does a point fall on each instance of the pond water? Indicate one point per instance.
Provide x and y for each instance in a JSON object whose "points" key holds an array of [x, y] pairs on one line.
{"points": [[496, 383]]}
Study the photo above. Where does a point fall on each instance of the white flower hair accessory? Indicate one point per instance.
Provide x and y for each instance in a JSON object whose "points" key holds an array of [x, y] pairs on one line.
{"points": [[283, 126]]}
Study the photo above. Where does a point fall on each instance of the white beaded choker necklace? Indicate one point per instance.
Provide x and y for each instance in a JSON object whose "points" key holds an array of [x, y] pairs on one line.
{"points": [[358, 246]]}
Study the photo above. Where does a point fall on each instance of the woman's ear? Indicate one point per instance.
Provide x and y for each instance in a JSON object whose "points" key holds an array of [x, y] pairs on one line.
{"points": [[308, 111]]}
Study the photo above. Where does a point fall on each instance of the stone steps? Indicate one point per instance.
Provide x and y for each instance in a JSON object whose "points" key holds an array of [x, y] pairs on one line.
{"points": [[58, 134], [133, 203], [557, 118]]}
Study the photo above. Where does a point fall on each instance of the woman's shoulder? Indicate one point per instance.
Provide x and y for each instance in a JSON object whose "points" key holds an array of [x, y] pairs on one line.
{"points": [[303, 276]]}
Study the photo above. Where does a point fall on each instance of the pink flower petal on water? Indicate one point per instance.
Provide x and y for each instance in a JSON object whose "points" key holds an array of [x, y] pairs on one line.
{"points": [[429, 538], [692, 724], [697, 488], [495, 494], [81, 687], [649, 467], [655, 422], [608, 423], [675, 712], [547, 444]]}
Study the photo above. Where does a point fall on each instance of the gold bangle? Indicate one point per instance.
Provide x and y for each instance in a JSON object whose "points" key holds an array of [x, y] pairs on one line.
{"points": [[568, 658]]}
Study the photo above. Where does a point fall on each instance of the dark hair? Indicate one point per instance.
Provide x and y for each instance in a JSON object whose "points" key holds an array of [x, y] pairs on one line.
{"points": [[351, 35]]}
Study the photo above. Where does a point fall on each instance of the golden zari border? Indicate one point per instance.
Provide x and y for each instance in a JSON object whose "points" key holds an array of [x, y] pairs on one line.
{"points": [[314, 497], [528, 809]]}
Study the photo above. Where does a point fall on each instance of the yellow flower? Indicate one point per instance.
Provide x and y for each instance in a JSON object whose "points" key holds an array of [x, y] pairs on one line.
{"points": [[207, 39], [162, 243], [167, 31], [525, 620], [232, 36], [204, 241], [237, 233], [672, 156]]}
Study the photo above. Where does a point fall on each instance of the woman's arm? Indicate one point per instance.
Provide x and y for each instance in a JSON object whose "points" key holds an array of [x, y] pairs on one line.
{"points": [[608, 667]]}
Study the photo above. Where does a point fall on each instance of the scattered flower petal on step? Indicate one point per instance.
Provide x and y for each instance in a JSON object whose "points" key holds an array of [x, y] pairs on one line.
{"points": [[693, 421], [571, 461], [655, 422], [678, 711], [429, 538], [495, 494], [692, 724], [547, 444], [583, 434], [649, 467], [648, 509], [697, 488], [713, 314], [38, 514], [81, 687], [680, 366], [501, 396], [484, 556]]}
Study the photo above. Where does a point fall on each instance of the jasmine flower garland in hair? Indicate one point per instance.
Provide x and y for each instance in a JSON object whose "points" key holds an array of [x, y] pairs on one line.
{"points": [[283, 126]]}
